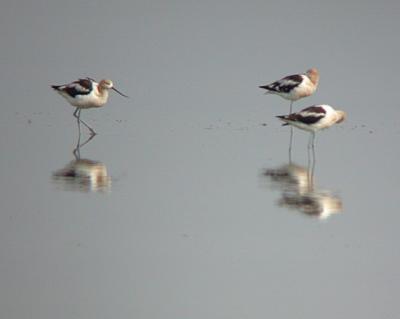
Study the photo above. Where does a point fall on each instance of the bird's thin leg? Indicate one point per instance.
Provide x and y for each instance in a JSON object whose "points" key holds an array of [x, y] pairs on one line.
{"points": [[290, 144], [87, 141], [310, 168], [309, 173], [92, 132], [77, 152], [291, 104], [313, 142], [309, 154], [313, 161], [77, 114], [309, 142]]}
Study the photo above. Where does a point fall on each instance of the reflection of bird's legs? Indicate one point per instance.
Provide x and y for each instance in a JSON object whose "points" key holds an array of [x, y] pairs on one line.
{"points": [[77, 149], [77, 153], [77, 114]]}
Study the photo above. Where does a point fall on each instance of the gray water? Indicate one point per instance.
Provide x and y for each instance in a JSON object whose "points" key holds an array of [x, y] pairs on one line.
{"points": [[193, 208]]}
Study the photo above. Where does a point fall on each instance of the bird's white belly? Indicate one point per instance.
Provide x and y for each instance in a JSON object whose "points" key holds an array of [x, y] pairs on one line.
{"points": [[84, 101]]}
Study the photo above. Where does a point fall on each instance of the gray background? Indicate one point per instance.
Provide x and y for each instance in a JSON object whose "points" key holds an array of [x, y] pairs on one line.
{"points": [[189, 227]]}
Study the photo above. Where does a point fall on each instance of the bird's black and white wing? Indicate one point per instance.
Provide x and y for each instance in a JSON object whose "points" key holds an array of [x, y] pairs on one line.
{"points": [[79, 87], [285, 85], [308, 116]]}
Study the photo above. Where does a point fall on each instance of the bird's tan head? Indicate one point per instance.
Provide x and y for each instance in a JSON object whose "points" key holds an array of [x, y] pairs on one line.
{"points": [[341, 116], [106, 84], [313, 75]]}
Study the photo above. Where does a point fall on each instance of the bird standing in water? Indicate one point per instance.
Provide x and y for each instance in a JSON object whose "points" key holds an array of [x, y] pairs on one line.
{"points": [[85, 94], [313, 119], [294, 87]]}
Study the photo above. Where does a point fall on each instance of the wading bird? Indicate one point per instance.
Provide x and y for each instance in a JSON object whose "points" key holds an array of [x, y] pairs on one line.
{"points": [[86, 93], [313, 119], [294, 87]]}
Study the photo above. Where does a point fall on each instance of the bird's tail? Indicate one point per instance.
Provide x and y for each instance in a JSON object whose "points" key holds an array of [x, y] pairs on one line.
{"points": [[56, 87], [266, 88], [283, 118]]}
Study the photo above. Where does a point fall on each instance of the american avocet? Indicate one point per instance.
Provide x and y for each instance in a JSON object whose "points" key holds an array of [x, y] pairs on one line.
{"points": [[314, 118], [85, 94], [294, 87]]}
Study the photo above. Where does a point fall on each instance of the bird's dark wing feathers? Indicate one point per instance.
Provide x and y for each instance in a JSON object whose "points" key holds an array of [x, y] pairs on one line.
{"points": [[313, 109], [308, 119], [79, 87], [309, 115], [284, 85]]}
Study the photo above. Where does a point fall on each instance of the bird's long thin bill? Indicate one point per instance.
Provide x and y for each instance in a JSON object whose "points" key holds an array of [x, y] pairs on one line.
{"points": [[119, 92]]}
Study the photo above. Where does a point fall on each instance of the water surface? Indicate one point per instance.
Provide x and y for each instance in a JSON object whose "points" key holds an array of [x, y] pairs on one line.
{"points": [[169, 211]]}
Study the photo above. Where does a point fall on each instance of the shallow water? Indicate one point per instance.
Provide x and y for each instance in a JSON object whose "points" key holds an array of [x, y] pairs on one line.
{"points": [[187, 204]]}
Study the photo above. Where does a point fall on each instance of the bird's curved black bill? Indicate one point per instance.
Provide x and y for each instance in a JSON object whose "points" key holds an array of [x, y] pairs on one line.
{"points": [[120, 92]]}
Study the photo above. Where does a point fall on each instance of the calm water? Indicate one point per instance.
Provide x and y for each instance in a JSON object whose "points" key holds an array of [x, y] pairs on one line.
{"points": [[190, 206]]}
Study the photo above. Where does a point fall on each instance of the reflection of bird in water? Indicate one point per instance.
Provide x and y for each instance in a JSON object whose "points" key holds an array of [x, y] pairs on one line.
{"points": [[313, 119], [294, 87], [83, 174], [85, 94], [321, 205], [298, 192], [291, 177]]}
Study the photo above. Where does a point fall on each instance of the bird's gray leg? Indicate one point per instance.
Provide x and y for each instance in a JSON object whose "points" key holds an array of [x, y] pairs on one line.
{"points": [[313, 141], [291, 104], [290, 144], [313, 155], [87, 141], [92, 132], [314, 160], [77, 114], [291, 135]]}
